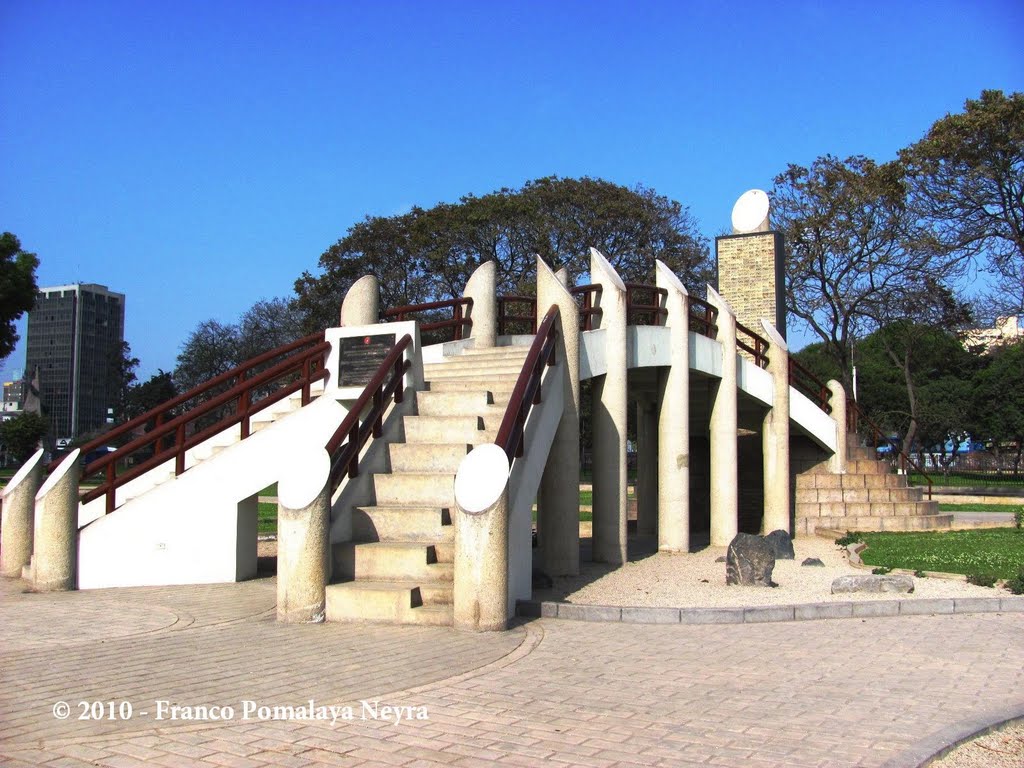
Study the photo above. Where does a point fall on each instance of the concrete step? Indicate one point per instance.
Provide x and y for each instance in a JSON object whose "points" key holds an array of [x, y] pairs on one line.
{"points": [[867, 467], [494, 387], [402, 523], [393, 602], [431, 403], [498, 353], [394, 560], [434, 489], [829, 481], [450, 429], [890, 523], [858, 495], [427, 457], [472, 372]]}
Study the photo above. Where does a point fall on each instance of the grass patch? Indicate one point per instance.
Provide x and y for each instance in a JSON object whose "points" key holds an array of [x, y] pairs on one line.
{"points": [[977, 508], [999, 551], [266, 520], [969, 479]]}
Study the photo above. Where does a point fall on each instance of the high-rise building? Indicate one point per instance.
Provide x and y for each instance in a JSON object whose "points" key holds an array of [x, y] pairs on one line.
{"points": [[74, 337]]}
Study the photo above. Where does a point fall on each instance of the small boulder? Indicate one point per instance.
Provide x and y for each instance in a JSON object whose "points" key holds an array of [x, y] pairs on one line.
{"points": [[749, 561], [814, 562], [873, 583], [782, 544]]}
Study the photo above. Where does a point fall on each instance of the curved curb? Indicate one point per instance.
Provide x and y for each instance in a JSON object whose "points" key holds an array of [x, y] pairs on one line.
{"points": [[550, 609], [944, 741]]}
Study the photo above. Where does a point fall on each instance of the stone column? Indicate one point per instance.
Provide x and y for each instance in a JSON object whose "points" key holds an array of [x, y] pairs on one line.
{"points": [[751, 276], [674, 421], [361, 304], [723, 428], [775, 437], [303, 539], [19, 504], [837, 464], [55, 545], [482, 289], [558, 518], [646, 467], [480, 593], [609, 418]]}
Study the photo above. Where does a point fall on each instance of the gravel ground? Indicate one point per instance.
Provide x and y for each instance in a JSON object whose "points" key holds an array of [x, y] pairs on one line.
{"points": [[1001, 749], [696, 580]]}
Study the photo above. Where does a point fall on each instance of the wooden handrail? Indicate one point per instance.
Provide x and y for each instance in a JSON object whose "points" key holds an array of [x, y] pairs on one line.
{"points": [[308, 367], [458, 321], [588, 310], [655, 311], [703, 317], [904, 458], [527, 389], [806, 382], [753, 344], [345, 455], [505, 319]]}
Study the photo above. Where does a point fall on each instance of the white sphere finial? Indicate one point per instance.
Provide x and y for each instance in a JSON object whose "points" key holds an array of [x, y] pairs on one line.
{"points": [[750, 214]]}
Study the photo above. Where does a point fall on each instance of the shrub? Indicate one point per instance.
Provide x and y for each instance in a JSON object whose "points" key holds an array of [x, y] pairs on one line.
{"points": [[881, 570], [851, 537], [1016, 584], [982, 579], [920, 574], [1018, 517]]}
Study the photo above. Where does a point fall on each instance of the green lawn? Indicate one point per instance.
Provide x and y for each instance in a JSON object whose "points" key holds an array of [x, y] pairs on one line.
{"points": [[1010, 508], [267, 518], [999, 551], [969, 479]]}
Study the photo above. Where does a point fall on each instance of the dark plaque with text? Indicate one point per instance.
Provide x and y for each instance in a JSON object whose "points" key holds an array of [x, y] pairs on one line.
{"points": [[361, 356]]}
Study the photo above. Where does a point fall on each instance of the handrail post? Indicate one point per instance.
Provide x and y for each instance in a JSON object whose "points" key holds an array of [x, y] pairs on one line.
{"points": [[303, 530], [481, 288], [55, 545], [837, 463], [19, 506]]}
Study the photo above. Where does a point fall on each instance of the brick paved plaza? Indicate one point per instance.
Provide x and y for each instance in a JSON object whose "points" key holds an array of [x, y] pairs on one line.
{"points": [[850, 692]]}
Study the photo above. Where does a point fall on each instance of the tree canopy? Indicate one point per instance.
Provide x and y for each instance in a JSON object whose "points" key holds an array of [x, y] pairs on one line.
{"points": [[429, 254], [17, 288], [966, 177]]}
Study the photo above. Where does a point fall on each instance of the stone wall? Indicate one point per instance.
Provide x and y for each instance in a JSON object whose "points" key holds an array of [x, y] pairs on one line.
{"points": [[751, 277]]}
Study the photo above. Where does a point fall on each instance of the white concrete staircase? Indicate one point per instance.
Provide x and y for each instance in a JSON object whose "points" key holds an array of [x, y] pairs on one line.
{"points": [[398, 567]]}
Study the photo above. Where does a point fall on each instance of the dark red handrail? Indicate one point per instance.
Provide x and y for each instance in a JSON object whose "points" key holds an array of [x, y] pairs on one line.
{"points": [[458, 320], [345, 455], [806, 382], [754, 345], [903, 458], [300, 370], [527, 389], [507, 319], [588, 310], [703, 317], [651, 312]]}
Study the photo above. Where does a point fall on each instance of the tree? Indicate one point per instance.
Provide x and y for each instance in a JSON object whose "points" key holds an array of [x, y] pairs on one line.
{"points": [[998, 402], [121, 379], [17, 288], [425, 255], [150, 394], [854, 251], [210, 350], [21, 435], [967, 182]]}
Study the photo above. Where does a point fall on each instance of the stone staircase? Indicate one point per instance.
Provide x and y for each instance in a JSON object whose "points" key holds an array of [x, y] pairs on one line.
{"points": [[398, 567], [869, 497]]}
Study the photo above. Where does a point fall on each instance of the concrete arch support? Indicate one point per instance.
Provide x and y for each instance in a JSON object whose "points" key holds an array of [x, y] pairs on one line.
{"points": [[609, 426], [19, 503], [482, 289], [558, 524], [837, 463], [674, 421], [55, 545], [723, 429], [775, 437], [361, 305]]}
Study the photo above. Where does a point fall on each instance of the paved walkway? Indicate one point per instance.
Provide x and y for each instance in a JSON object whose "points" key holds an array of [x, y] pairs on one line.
{"points": [[849, 692]]}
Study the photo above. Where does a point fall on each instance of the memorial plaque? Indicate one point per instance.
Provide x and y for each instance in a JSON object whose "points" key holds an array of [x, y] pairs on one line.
{"points": [[359, 357]]}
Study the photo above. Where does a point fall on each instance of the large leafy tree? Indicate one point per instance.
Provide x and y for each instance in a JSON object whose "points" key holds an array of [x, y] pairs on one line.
{"points": [[428, 254], [998, 400], [17, 288], [854, 248], [21, 435], [121, 378], [967, 182]]}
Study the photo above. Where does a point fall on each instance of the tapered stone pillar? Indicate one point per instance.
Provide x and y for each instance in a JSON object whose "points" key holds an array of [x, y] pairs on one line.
{"points": [[837, 464], [775, 437], [558, 519], [303, 539], [19, 504], [55, 544], [609, 418], [646, 467], [723, 428], [674, 420], [361, 304], [482, 289]]}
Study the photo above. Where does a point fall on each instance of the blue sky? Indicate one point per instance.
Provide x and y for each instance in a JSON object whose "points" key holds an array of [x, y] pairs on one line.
{"points": [[198, 156]]}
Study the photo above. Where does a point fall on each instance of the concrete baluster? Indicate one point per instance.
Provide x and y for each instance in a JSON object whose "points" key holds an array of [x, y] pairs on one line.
{"points": [[19, 504], [837, 462], [361, 303], [775, 437], [303, 539], [55, 536], [482, 289], [723, 431]]}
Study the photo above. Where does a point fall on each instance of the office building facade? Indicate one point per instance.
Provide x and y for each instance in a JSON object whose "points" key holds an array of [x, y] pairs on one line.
{"points": [[74, 337]]}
